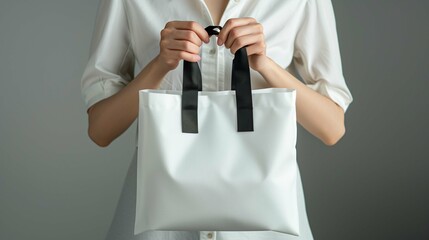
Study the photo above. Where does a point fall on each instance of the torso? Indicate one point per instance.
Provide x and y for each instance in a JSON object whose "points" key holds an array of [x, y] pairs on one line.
{"points": [[281, 24]]}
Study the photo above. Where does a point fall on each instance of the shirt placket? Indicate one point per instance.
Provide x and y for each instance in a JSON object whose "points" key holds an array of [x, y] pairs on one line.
{"points": [[209, 65], [213, 56], [207, 235]]}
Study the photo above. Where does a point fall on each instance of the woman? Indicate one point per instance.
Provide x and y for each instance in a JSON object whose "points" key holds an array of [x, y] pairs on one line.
{"points": [[153, 37]]}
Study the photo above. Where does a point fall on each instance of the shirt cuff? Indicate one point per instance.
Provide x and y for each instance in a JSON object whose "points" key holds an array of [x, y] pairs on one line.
{"points": [[99, 91], [340, 96]]}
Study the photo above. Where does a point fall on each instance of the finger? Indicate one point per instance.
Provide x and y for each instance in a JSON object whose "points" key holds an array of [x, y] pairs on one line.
{"points": [[230, 24], [190, 25], [177, 54], [183, 45], [247, 40], [256, 48], [188, 35], [239, 31]]}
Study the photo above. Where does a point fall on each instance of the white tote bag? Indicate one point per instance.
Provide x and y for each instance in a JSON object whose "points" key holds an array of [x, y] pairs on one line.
{"points": [[217, 161]]}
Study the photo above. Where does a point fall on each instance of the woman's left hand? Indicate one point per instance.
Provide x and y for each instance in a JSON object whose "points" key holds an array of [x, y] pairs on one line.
{"points": [[240, 32]]}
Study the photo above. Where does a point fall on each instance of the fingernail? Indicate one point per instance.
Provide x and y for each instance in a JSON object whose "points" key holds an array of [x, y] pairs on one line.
{"points": [[197, 58], [219, 42]]}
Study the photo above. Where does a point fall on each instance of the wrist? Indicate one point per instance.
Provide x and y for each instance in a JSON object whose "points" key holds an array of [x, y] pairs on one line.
{"points": [[152, 74], [160, 66], [277, 76], [264, 64]]}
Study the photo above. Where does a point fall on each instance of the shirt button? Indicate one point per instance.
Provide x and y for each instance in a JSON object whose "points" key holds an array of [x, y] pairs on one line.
{"points": [[210, 235], [212, 51]]}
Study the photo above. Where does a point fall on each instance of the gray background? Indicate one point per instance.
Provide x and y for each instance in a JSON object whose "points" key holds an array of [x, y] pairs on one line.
{"points": [[56, 184]]}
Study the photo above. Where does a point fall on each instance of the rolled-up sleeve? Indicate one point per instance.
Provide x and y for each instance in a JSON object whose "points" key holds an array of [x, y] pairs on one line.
{"points": [[317, 55], [111, 60]]}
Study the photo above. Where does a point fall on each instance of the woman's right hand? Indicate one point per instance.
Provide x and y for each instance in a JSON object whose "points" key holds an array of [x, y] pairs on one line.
{"points": [[110, 117], [181, 40]]}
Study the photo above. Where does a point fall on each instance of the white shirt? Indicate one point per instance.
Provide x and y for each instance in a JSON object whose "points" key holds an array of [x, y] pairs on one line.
{"points": [[300, 36]]}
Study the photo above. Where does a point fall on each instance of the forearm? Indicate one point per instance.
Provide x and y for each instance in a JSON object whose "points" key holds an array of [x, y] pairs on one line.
{"points": [[316, 113], [110, 117]]}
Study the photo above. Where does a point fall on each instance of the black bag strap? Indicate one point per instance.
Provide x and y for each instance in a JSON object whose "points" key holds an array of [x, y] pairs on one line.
{"points": [[240, 82]]}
